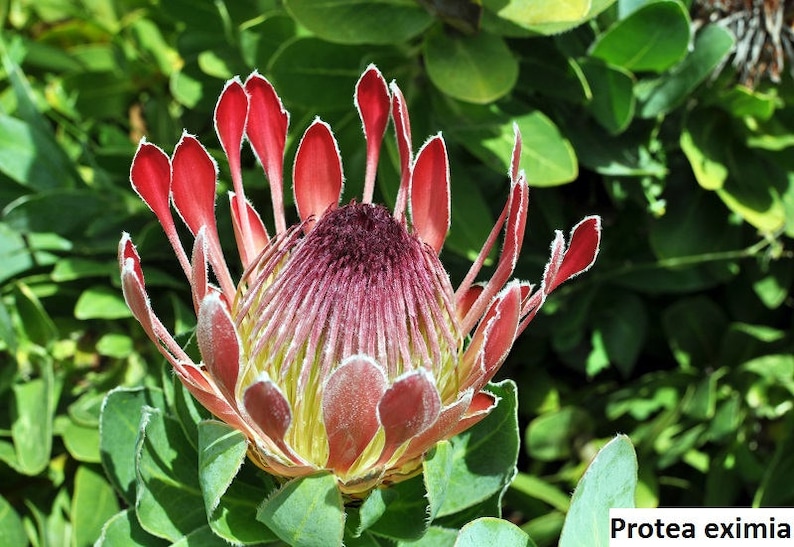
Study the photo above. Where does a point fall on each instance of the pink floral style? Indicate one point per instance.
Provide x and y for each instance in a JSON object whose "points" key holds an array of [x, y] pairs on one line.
{"points": [[343, 346]]}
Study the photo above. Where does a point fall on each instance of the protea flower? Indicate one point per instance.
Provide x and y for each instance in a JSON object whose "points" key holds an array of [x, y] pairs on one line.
{"points": [[343, 346]]}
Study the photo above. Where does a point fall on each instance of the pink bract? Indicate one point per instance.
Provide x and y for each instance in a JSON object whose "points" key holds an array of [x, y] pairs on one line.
{"points": [[343, 346]]}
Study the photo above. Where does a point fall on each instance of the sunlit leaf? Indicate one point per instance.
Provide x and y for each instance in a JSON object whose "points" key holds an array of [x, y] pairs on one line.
{"points": [[354, 22], [306, 512], [653, 38], [478, 69], [609, 482], [93, 503]]}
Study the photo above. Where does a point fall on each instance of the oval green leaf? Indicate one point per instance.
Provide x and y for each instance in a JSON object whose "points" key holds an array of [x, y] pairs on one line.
{"points": [[168, 496], [539, 12], [124, 529], [12, 532], [82, 442], [315, 74], [36, 322], [118, 429], [306, 512], [221, 453], [65, 212], [357, 22], [547, 157], [93, 503], [31, 429], [101, 303], [610, 481], [31, 156], [477, 69], [653, 38], [551, 436], [484, 457], [704, 141], [492, 531], [520, 18], [665, 93]]}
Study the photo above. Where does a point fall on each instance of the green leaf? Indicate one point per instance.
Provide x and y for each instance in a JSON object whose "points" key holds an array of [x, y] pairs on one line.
{"points": [[93, 503], [774, 490], [219, 63], [405, 510], [624, 329], [201, 16], [694, 328], [545, 69], [123, 529], [610, 481], [36, 322], [436, 536], [150, 37], [661, 95], [30, 156], [235, 517], [437, 468], [259, 42], [491, 507], [538, 12], [8, 336], [118, 346], [200, 537], [545, 529], [15, 254], [743, 102], [759, 204], [231, 507], [522, 18], [82, 442], [305, 65], [118, 430], [704, 140], [547, 158], [12, 532], [168, 499], [703, 401], [372, 509], [73, 268], [597, 359], [492, 531], [701, 214], [626, 154], [35, 212], [101, 302], [31, 427], [306, 512], [550, 436], [484, 457], [85, 410], [192, 87], [652, 38], [356, 22], [538, 488], [477, 69], [612, 87], [773, 288]]}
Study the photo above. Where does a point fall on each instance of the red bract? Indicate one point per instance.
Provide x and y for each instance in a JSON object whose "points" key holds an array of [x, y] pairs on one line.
{"points": [[343, 346]]}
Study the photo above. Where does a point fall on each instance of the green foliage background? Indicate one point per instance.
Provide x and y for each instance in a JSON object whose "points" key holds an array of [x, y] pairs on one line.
{"points": [[680, 337]]}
